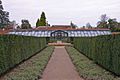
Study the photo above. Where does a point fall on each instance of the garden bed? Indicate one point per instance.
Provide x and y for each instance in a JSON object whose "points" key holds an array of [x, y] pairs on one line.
{"points": [[31, 69], [87, 68]]}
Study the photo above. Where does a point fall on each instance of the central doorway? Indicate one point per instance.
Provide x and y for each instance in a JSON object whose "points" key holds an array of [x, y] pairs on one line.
{"points": [[59, 35]]}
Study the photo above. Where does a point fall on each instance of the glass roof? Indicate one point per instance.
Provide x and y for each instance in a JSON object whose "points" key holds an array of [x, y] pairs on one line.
{"points": [[80, 33]]}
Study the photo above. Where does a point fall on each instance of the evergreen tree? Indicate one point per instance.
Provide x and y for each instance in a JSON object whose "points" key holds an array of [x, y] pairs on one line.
{"points": [[37, 23], [4, 16], [41, 21], [113, 24]]}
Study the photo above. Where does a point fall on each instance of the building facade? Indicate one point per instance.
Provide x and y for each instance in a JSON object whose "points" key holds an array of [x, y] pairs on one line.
{"points": [[61, 31]]}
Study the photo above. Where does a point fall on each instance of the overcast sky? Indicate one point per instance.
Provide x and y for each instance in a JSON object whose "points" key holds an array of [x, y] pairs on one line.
{"points": [[62, 11]]}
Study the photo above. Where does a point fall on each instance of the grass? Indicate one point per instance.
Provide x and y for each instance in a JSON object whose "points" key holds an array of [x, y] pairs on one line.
{"points": [[31, 69], [87, 69]]}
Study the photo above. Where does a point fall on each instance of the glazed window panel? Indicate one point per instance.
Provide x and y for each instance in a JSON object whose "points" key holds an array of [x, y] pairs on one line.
{"points": [[29, 34], [76, 35], [98, 32], [102, 33], [82, 33], [11, 33], [92, 34], [85, 31], [23, 33], [40, 32], [73, 31], [78, 32], [89, 34], [16, 33], [108, 32]]}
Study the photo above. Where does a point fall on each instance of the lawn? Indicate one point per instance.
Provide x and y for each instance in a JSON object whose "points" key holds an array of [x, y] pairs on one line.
{"points": [[31, 69], [87, 69]]}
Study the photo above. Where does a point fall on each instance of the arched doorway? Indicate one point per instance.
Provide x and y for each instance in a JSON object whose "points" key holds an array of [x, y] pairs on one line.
{"points": [[59, 35]]}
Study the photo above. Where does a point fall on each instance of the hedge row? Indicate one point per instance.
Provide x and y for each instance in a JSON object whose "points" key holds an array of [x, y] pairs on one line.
{"points": [[14, 49], [104, 50]]}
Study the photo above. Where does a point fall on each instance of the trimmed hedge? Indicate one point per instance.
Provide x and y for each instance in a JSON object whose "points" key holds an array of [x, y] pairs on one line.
{"points": [[14, 49], [104, 50]]}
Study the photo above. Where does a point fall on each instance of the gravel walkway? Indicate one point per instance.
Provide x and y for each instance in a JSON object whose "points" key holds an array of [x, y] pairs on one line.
{"points": [[60, 67]]}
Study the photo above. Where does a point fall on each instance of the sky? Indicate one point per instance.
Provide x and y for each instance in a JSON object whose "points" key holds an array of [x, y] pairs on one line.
{"points": [[62, 12]]}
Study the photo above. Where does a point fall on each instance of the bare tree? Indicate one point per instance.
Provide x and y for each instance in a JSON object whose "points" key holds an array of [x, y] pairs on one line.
{"points": [[103, 21], [103, 18], [25, 24]]}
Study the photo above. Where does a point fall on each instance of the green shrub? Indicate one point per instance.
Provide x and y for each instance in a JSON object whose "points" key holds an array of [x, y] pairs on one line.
{"points": [[33, 68], [14, 49], [104, 50]]}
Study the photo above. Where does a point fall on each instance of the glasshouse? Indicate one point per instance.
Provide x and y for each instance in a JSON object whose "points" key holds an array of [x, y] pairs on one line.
{"points": [[61, 31]]}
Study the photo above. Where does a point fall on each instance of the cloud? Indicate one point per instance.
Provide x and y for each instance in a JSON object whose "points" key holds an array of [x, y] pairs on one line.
{"points": [[62, 11]]}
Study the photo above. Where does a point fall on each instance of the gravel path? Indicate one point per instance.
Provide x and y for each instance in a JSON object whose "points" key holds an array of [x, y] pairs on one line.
{"points": [[60, 67]]}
